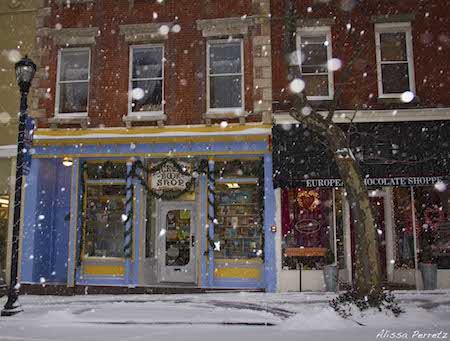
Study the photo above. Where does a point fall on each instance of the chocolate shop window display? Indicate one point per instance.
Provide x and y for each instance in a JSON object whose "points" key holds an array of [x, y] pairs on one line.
{"points": [[312, 220]]}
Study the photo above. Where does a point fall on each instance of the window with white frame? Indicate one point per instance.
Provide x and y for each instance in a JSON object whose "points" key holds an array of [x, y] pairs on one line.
{"points": [[147, 79], [394, 59], [314, 44], [225, 75], [73, 81]]}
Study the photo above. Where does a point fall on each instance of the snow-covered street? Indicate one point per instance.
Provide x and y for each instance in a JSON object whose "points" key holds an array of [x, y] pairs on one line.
{"points": [[290, 316]]}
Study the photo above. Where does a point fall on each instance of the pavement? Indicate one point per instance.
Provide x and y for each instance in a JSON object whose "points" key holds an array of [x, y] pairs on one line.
{"points": [[221, 316]]}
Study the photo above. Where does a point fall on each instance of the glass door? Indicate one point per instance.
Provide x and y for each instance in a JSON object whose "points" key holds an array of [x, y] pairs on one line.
{"points": [[177, 242]]}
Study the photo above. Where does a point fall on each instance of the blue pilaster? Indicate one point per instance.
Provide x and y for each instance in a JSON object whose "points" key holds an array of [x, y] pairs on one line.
{"points": [[211, 223], [137, 240], [29, 222], [128, 226], [270, 266], [73, 230]]}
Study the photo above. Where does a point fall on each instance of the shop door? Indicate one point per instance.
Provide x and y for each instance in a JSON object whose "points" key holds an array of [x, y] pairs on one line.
{"points": [[177, 242]]}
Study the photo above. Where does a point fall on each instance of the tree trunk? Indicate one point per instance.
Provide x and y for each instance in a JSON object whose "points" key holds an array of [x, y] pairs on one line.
{"points": [[367, 265]]}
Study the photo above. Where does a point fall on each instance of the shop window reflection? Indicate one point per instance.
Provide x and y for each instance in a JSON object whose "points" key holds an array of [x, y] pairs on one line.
{"points": [[309, 216], [432, 206]]}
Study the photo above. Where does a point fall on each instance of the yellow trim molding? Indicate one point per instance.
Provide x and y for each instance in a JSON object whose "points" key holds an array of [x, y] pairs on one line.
{"points": [[104, 270], [237, 273]]}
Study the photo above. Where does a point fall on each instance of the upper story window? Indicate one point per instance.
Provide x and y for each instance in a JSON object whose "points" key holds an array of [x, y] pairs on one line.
{"points": [[73, 82], [314, 44], [147, 79], [225, 75], [394, 59]]}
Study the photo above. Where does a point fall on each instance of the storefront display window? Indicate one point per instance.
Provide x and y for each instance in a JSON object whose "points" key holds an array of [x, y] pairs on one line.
{"points": [[309, 217], [238, 227], [104, 206], [404, 228], [432, 205], [104, 225]]}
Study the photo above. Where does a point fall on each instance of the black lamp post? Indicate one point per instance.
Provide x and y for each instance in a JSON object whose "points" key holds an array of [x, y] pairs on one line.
{"points": [[25, 70]]}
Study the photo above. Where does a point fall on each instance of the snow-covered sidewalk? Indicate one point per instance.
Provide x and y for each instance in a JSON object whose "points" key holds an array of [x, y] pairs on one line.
{"points": [[291, 316]]}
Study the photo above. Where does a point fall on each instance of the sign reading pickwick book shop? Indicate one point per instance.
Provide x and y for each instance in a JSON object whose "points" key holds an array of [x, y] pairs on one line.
{"points": [[168, 178]]}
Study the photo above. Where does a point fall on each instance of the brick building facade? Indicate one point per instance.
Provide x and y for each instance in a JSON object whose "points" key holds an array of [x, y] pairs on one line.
{"points": [[132, 91]]}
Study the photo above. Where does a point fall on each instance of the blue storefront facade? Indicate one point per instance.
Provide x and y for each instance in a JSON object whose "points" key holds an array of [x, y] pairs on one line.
{"points": [[151, 206]]}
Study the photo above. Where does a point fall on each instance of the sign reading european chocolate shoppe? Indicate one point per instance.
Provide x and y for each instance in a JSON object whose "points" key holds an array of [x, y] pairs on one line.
{"points": [[379, 182], [169, 179]]}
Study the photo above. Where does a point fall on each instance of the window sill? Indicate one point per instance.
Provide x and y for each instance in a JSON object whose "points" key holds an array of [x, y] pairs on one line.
{"points": [[83, 121], [131, 118], [225, 113]]}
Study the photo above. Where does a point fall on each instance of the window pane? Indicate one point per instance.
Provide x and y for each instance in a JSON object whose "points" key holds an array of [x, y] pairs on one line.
{"points": [[74, 65], [316, 85], [73, 97], [104, 235], [319, 40], [226, 92], [314, 54], [225, 58], [238, 216], [178, 235], [106, 170], [403, 228], [147, 62], [238, 169], [148, 97], [307, 227], [393, 46], [432, 208], [395, 78]]}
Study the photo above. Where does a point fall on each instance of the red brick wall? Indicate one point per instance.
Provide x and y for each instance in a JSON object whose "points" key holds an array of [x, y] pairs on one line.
{"points": [[185, 52], [431, 50]]}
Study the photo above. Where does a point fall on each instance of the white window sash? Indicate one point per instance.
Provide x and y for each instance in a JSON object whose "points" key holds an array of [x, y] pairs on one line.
{"points": [[395, 28], [130, 86], [210, 75], [59, 82], [318, 31]]}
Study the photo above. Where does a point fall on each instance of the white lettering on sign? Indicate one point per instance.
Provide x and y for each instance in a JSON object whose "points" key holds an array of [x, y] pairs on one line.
{"points": [[379, 182], [169, 178]]}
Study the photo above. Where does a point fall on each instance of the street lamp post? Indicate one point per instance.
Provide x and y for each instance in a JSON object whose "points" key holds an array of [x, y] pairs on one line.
{"points": [[25, 70]]}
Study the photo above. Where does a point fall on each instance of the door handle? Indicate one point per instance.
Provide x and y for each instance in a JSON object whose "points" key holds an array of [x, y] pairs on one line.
{"points": [[193, 241]]}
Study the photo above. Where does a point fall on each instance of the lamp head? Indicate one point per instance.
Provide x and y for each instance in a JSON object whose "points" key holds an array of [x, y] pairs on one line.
{"points": [[25, 71]]}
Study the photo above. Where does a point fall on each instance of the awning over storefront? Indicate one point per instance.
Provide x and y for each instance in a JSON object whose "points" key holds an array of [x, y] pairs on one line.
{"points": [[390, 154]]}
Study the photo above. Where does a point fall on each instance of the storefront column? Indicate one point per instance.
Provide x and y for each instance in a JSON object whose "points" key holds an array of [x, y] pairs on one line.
{"points": [[128, 225], [73, 238], [211, 224], [389, 234], [203, 222], [137, 230], [348, 240], [278, 236], [270, 268], [416, 260]]}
